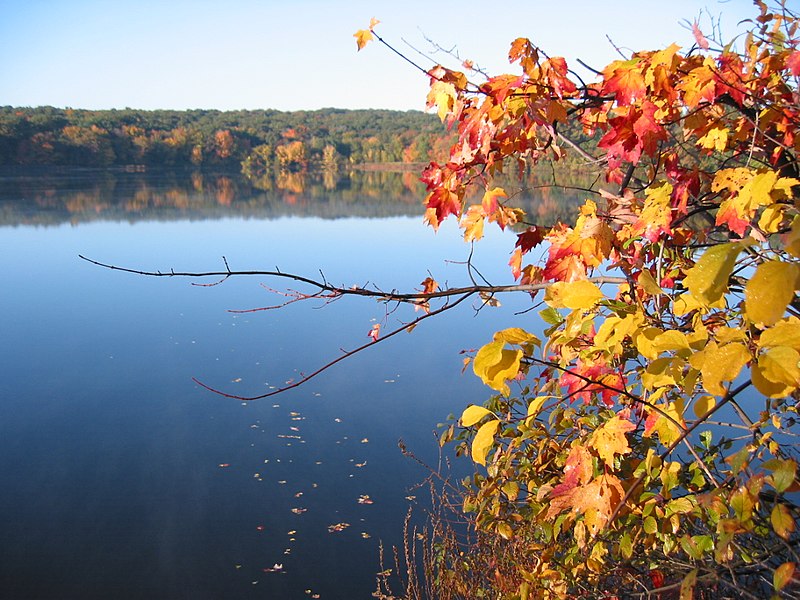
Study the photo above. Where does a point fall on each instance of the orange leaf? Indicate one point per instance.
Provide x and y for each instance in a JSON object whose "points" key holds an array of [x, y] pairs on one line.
{"points": [[363, 36]]}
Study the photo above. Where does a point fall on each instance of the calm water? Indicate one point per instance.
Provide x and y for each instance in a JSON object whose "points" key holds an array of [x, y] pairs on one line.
{"points": [[111, 456]]}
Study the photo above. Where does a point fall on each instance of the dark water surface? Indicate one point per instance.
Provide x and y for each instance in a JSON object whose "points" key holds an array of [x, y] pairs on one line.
{"points": [[110, 456]]}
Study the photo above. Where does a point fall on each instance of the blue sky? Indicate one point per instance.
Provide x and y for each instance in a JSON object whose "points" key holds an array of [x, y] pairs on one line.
{"points": [[292, 55]]}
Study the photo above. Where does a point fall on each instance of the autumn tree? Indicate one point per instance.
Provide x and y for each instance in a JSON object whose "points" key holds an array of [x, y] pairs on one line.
{"points": [[643, 438]]}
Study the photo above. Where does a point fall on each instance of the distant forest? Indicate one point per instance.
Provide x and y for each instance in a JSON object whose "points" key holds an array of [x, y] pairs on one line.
{"points": [[256, 141]]}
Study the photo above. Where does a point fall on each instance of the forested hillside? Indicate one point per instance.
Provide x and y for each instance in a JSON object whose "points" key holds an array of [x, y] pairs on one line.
{"points": [[291, 141]]}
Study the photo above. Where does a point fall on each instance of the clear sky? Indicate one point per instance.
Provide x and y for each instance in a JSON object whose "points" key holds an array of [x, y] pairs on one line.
{"points": [[300, 54]]}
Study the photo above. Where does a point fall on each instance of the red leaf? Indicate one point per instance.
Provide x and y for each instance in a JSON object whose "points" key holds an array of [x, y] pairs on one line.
{"points": [[793, 63], [530, 238]]}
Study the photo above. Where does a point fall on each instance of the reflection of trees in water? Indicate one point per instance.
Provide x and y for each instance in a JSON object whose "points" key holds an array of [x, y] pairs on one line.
{"points": [[57, 196]]}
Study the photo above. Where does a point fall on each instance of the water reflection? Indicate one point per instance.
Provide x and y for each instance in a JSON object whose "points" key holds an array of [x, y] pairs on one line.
{"points": [[54, 196]]}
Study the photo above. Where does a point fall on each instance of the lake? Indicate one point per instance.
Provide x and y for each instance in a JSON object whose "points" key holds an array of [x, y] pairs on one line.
{"points": [[122, 478]]}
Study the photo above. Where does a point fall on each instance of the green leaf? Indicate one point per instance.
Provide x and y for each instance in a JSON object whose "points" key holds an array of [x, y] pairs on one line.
{"points": [[626, 545], [770, 290], [483, 441], [551, 316], [505, 531], [783, 473], [472, 414], [650, 525], [708, 279]]}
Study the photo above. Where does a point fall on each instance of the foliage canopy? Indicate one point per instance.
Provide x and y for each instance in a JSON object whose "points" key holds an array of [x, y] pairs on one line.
{"points": [[645, 438]]}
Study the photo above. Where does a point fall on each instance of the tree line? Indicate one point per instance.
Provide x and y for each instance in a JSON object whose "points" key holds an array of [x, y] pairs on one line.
{"points": [[262, 140]]}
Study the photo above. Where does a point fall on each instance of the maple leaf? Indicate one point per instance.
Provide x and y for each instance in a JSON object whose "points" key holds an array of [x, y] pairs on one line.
{"points": [[472, 223], [364, 36], [443, 96], [530, 238], [578, 470], [588, 378], [440, 204], [490, 203], [624, 79], [610, 439]]}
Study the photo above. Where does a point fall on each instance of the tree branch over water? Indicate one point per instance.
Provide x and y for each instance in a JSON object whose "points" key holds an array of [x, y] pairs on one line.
{"points": [[452, 297]]}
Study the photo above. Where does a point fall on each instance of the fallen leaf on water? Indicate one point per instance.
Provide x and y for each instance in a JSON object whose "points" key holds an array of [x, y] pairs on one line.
{"points": [[365, 535], [299, 511], [359, 465], [364, 441], [338, 527], [365, 499]]}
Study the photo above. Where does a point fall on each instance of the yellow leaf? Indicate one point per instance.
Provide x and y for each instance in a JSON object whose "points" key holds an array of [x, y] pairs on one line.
{"points": [[783, 333], [731, 179], [644, 342], [536, 405], [610, 439], [770, 290], [669, 422], [443, 96], [780, 365], [472, 414], [792, 239], [516, 336], [494, 365], [581, 294], [707, 280], [649, 284], [472, 223], [769, 388], [703, 404], [670, 341], [722, 363], [771, 218], [716, 139], [782, 521], [363, 36], [483, 441]]}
